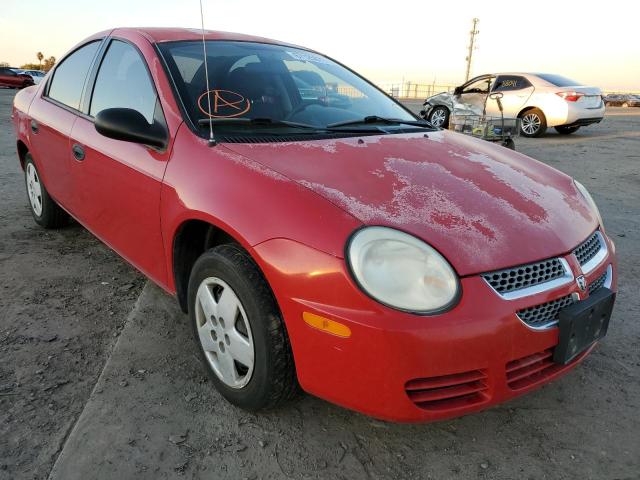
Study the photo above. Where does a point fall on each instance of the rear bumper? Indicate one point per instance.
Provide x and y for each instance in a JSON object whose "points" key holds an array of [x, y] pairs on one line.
{"points": [[583, 122], [578, 116], [408, 368]]}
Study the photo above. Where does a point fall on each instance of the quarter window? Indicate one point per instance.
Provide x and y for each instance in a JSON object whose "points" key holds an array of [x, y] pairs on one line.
{"points": [[69, 77], [123, 82], [479, 86]]}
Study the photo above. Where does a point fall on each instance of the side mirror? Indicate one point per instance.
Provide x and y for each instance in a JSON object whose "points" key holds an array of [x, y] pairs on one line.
{"points": [[130, 125], [457, 90]]}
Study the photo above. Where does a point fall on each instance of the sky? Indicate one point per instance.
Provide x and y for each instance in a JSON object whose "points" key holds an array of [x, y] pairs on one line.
{"points": [[420, 41]]}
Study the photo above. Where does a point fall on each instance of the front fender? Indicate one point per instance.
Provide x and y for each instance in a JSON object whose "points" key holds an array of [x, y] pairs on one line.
{"points": [[249, 201]]}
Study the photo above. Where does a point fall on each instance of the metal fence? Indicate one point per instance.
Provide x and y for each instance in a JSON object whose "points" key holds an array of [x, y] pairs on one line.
{"points": [[410, 90]]}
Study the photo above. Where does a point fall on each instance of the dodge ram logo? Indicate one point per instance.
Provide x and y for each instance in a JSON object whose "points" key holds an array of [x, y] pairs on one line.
{"points": [[582, 283]]}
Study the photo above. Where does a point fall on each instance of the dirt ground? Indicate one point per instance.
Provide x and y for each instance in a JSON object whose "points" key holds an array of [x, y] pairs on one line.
{"points": [[99, 377]]}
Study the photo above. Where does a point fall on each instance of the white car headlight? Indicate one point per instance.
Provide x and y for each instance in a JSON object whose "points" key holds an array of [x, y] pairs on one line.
{"points": [[402, 271], [587, 196]]}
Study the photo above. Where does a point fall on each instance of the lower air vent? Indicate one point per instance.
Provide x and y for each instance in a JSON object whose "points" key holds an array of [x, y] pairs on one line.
{"points": [[448, 391], [531, 369]]}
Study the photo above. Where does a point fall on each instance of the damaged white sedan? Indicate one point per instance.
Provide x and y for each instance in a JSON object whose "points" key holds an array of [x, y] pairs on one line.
{"points": [[539, 100]]}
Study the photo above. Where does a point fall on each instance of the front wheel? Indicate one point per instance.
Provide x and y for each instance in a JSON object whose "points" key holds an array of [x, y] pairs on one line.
{"points": [[566, 130], [533, 123], [239, 330], [44, 209], [439, 117]]}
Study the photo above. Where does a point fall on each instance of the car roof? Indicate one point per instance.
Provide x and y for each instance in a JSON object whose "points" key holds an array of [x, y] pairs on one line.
{"points": [[159, 35]]}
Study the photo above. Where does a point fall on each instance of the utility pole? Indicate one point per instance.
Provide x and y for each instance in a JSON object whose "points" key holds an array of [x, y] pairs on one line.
{"points": [[472, 39]]}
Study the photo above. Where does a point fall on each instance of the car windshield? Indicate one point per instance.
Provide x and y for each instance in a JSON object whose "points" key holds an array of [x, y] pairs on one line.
{"points": [[252, 84], [558, 80]]}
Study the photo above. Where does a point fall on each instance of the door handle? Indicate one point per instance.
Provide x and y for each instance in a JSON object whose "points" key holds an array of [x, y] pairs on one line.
{"points": [[34, 126], [78, 151]]}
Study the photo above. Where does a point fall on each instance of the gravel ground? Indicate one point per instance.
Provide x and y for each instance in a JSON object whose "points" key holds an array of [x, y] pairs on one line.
{"points": [[65, 298]]}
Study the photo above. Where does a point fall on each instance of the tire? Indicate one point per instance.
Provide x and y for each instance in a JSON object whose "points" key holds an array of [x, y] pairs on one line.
{"points": [[439, 117], [625, 105], [509, 143], [533, 123], [251, 330], [566, 130], [46, 212]]}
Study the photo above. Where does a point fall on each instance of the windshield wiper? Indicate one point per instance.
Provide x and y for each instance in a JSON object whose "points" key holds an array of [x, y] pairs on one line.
{"points": [[260, 122], [377, 119]]}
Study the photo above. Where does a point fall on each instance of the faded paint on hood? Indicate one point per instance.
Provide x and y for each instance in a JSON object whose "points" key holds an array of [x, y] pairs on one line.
{"points": [[483, 206]]}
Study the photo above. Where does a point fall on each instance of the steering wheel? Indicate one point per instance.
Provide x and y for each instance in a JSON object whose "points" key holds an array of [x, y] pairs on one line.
{"points": [[303, 106]]}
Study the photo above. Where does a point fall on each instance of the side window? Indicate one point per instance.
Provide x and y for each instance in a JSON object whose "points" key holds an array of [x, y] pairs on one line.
{"points": [[506, 83], [123, 82], [479, 86], [69, 77]]}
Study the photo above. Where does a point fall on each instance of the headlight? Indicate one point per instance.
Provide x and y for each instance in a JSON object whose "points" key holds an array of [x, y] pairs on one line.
{"points": [[587, 196], [401, 271]]}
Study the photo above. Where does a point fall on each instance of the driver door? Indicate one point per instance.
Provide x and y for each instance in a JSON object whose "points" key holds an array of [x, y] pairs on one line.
{"points": [[473, 95]]}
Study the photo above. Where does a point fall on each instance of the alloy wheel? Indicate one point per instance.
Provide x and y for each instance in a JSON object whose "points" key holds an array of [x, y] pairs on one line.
{"points": [[438, 117], [531, 123], [224, 332], [34, 189]]}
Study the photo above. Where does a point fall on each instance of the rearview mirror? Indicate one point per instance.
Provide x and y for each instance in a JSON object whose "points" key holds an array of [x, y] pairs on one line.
{"points": [[130, 125], [457, 90]]}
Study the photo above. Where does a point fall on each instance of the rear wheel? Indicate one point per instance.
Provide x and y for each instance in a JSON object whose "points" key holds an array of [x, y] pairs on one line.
{"points": [[533, 123], [239, 330], [566, 130], [439, 117], [44, 209]]}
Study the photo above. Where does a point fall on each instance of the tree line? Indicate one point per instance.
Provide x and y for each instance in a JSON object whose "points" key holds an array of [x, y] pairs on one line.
{"points": [[44, 64]]}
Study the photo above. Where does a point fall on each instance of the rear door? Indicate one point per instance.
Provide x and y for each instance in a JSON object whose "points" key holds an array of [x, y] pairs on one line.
{"points": [[515, 89], [52, 116], [116, 183]]}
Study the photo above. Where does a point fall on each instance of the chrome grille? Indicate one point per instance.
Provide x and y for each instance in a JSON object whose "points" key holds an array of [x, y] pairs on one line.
{"points": [[597, 283], [588, 249], [546, 313], [523, 276]]}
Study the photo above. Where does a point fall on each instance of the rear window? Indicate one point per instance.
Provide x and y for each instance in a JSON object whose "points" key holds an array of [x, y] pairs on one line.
{"points": [[558, 80]]}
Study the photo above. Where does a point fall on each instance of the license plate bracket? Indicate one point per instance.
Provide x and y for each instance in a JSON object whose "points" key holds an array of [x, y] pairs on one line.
{"points": [[582, 324]]}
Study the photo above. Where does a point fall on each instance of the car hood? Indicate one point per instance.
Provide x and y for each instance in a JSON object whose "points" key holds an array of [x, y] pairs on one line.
{"points": [[484, 207]]}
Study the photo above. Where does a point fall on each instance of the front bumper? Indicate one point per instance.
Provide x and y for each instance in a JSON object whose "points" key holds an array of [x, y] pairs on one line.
{"points": [[408, 368]]}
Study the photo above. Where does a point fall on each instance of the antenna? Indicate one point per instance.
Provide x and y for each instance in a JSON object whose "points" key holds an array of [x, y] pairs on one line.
{"points": [[212, 140]]}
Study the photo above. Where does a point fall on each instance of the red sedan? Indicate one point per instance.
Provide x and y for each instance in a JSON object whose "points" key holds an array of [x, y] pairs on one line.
{"points": [[316, 232], [11, 79]]}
